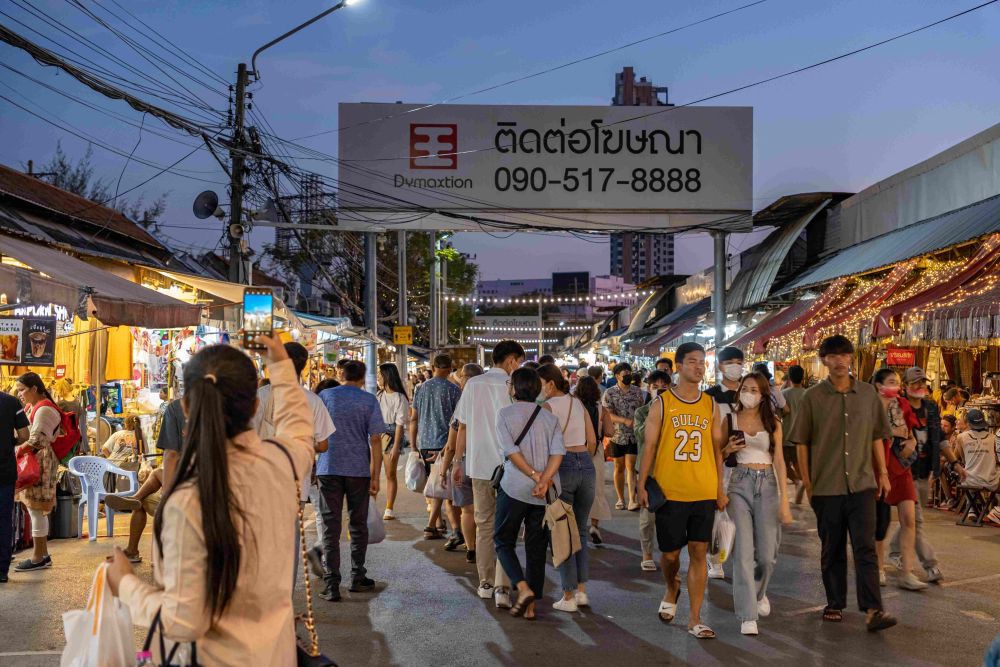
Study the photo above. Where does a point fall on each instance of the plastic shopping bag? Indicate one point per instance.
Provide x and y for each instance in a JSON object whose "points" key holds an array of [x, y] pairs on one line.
{"points": [[438, 486], [723, 536], [100, 635], [28, 470], [416, 475], [376, 528]]}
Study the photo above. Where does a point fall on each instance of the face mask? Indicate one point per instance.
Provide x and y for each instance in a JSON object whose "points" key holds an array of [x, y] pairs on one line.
{"points": [[732, 372], [626, 378], [917, 393], [889, 392], [749, 401]]}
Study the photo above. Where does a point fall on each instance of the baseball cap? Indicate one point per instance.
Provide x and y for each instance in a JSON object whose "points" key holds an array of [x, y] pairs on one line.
{"points": [[976, 420], [914, 374]]}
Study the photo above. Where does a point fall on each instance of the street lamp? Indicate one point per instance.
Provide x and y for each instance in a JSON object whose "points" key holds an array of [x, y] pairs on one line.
{"points": [[339, 5]]}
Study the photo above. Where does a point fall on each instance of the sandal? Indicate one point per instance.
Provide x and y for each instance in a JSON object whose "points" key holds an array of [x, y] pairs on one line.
{"points": [[620, 505], [431, 533], [522, 601], [880, 621], [668, 610], [833, 615], [648, 566], [702, 631]]}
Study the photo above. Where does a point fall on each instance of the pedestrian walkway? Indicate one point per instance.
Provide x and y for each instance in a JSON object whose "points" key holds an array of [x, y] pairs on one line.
{"points": [[424, 610]]}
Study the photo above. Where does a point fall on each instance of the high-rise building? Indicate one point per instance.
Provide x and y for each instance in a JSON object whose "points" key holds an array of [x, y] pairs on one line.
{"points": [[636, 257]]}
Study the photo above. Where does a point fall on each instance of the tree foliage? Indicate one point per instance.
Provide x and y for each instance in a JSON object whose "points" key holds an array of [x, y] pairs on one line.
{"points": [[332, 264], [80, 178]]}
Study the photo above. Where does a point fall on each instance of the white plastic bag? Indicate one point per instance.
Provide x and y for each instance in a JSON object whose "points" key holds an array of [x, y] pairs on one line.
{"points": [[376, 528], [416, 475], [438, 487], [100, 635], [723, 536]]}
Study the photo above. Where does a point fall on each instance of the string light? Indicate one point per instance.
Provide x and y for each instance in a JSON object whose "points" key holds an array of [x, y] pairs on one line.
{"points": [[480, 327], [477, 339], [561, 300]]}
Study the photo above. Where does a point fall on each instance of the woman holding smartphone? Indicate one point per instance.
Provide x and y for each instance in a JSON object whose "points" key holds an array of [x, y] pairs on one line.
{"points": [[756, 500]]}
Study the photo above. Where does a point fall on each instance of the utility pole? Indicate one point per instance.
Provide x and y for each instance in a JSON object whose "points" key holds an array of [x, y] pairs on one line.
{"points": [[237, 272], [443, 327], [719, 293], [371, 309], [404, 319], [433, 276], [541, 331]]}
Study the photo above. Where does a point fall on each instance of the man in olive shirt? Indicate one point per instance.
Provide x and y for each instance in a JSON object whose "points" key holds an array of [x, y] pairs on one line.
{"points": [[793, 397], [839, 428]]}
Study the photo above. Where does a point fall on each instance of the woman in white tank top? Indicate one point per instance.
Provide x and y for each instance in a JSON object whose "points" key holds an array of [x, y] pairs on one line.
{"points": [[757, 498], [576, 479]]}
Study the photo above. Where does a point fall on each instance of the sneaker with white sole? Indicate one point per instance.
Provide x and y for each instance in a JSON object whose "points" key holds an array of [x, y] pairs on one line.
{"points": [[648, 566], [581, 599], [715, 571], [388, 515], [749, 628], [502, 596], [485, 591], [764, 607], [909, 582], [568, 606], [934, 575]]}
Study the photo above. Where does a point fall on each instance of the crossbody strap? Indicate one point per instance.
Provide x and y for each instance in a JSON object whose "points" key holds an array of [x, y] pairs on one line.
{"points": [[569, 414], [527, 426]]}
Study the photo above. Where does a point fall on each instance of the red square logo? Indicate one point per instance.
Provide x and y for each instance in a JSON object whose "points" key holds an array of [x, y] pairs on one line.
{"points": [[433, 146]]}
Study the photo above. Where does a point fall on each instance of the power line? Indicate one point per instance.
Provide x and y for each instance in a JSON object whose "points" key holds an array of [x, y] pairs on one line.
{"points": [[737, 89], [533, 75]]}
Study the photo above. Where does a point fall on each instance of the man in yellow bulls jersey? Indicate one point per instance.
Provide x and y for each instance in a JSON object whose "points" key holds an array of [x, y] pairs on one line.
{"points": [[680, 479]]}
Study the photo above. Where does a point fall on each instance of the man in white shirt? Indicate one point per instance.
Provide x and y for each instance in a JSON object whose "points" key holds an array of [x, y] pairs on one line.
{"points": [[477, 441], [323, 428]]}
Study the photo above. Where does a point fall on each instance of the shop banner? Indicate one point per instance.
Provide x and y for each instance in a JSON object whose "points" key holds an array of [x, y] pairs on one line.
{"points": [[898, 356], [28, 341]]}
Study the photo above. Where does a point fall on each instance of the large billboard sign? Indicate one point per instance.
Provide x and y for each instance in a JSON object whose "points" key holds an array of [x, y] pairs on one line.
{"points": [[571, 167]]}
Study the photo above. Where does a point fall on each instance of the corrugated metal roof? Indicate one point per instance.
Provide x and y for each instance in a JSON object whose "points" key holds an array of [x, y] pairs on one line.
{"points": [[926, 236], [753, 283]]}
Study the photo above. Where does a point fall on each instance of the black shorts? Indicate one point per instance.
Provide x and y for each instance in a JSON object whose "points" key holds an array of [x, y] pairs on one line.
{"points": [[617, 451], [426, 454], [678, 523]]}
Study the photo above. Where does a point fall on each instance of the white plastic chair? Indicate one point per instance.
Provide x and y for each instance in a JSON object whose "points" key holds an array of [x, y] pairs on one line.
{"points": [[91, 471]]}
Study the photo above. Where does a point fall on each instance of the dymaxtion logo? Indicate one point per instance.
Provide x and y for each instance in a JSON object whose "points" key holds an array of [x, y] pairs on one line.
{"points": [[433, 146]]}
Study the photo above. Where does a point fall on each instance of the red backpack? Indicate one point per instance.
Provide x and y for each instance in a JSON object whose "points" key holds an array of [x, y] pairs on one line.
{"points": [[67, 435]]}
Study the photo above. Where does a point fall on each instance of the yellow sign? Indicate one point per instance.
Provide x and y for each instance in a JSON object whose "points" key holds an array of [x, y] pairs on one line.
{"points": [[402, 335]]}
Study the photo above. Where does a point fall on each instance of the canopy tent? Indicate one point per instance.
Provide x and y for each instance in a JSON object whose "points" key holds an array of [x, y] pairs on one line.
{"points": [[56, 277]]}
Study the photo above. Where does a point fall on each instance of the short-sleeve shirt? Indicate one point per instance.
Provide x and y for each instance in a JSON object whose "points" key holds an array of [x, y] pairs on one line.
{"points": [[543, 439], [435, 405], [980, 459], [793, 397], [395, 409], [263, 419], [839, 429], [171, 437], [623, 403], [685, 456], [481, 400], [357, 416], [12, 417]]}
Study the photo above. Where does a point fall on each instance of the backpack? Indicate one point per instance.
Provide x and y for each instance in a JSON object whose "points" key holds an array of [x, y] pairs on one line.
{"points": [[68, 435]]}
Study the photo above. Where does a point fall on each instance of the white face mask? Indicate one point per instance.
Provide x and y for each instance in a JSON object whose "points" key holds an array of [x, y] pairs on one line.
{"points": [[732, 372], [749, 400]]}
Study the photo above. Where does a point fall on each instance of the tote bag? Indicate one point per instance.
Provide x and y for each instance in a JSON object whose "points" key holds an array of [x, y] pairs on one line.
{"points": [[100, 635]]}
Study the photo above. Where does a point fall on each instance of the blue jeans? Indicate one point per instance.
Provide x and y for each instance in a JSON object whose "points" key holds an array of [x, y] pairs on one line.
{"points": [[577, 479], [510, 514], [6, 526], [753, 507]]}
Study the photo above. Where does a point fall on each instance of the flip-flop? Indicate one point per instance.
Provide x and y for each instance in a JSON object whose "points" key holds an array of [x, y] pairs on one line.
{"points": [[669, 608], [880, 621], [648, 566], [833, 615], [702, 631], [620, 505]]}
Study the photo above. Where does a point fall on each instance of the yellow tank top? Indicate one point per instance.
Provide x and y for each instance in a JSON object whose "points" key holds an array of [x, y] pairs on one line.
{"points": [[685, 458]]}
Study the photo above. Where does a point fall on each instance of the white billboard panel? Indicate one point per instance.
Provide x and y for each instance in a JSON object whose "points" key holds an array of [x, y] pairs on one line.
{"points": [[579, 167]]}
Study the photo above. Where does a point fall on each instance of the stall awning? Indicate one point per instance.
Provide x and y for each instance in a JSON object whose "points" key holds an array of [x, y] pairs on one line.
{"points": [[66, 280], [794, 316], [982, 262]]}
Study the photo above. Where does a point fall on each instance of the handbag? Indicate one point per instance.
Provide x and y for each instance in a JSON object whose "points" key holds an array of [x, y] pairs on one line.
{"points": [[311, 656], [29, 473], [497, 475], [167, 658], [564, 534]]}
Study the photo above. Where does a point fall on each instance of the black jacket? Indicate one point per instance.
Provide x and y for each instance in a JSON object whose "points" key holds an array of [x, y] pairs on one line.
{"points": [[929, 459]]}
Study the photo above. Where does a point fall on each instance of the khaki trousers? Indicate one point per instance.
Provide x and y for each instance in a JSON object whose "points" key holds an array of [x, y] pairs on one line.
{"points": [[484, 501]]}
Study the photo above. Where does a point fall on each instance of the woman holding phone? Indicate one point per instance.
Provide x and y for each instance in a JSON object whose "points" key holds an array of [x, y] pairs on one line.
{"points": [[757, 502], [395, 406]]}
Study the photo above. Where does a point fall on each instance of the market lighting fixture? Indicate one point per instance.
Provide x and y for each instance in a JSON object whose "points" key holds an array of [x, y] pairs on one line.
{"points": [[590, 298], [480, 327]]}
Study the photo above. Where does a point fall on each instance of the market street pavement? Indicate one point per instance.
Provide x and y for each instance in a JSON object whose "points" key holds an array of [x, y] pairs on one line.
{"points": [[425, 610]]}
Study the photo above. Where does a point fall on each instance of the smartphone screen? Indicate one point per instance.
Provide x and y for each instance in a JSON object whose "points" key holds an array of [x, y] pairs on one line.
{"points": [[258, 315]]}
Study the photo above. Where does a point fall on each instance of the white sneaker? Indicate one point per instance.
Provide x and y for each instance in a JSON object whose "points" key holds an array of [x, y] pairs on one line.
{"points": [[715, 571], [764, 607], [581, 599], [388, 515], [566, 605], [485, 591], [502, 596], [749, 628]]}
